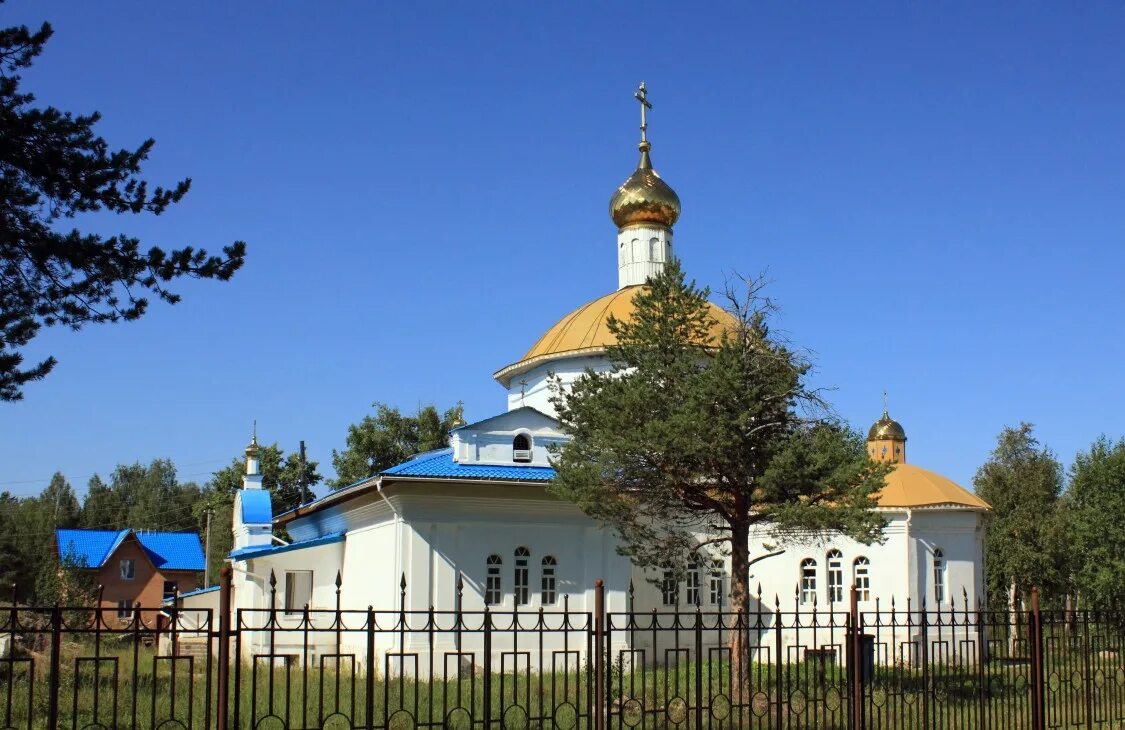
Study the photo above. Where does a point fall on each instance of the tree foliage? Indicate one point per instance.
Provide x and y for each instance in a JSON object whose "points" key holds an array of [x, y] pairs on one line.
{"points": [[379, 442], [1022, 481], [54, 167], [689, 442], [1095, 508]]}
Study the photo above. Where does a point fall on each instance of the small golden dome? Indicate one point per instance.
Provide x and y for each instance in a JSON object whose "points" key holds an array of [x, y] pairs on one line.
{"points": [[585, 331], [886, 428], [644, 197]]}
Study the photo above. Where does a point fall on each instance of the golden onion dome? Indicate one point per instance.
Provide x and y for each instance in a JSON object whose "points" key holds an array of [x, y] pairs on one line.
{"points": [[886, 428], [644, 197], [585, 331], [909, 486]]}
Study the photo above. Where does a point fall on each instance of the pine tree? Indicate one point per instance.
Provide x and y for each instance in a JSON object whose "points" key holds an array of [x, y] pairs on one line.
{"points": [[690, 443], [53, 166]]}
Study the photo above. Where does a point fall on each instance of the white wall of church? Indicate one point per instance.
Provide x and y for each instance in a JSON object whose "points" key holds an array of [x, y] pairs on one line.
{"points": [[533, 388]]}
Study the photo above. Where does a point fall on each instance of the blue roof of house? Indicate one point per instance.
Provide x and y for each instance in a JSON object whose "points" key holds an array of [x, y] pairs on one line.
{"points": [[440, 465], [258, 551], [166, 550], [196, 592], [257, 508]]}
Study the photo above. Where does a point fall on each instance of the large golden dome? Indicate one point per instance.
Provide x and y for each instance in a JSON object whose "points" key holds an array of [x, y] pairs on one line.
{"points": [[912, 486], [585, 331], [644, 197]]}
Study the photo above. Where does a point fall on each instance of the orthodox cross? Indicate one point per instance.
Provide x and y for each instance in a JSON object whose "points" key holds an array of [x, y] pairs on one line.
{"points": [[884, 401], [642, 97], [523, 390]]}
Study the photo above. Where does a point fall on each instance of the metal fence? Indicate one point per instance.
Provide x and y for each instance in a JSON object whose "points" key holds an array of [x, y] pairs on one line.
{"points": [[779, 666]]}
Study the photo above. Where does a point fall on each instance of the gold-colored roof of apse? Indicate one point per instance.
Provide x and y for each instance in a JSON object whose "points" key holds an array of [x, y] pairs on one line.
{"points": [[585, 331], [886, 428], [644, 197], [912, 486]]}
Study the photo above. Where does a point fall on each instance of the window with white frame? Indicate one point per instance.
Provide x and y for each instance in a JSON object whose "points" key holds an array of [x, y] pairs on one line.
{"points": [[521, 448], [492, 594], [717, 583], [861, 576], [693, 583], [669, 589], [520, 576], [808, 580], [128, 568], [549, 592], [835, 561], [939, 575], [124, 609], [298, 590]]}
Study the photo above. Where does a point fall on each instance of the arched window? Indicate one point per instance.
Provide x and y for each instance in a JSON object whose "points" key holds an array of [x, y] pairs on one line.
{"points": [[521, 448], [654, 249], [808, 580], [939, 575], [835, 576], [669, 589], [693, 583], [519, 581], [861, 576], [549, 594], [717, 583], [492, 594]]}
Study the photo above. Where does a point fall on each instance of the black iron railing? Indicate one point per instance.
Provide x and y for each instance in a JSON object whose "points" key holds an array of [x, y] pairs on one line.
{"points": [[870, 665]]}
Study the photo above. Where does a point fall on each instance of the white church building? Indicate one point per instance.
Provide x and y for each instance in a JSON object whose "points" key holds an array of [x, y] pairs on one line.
{"points": [[473, 523]]}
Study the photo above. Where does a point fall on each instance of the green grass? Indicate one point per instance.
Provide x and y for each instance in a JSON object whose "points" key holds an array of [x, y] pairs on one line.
{"points": [[810, 696]]}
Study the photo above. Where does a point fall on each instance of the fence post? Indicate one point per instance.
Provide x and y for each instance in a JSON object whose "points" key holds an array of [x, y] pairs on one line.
{"points": [[924, 651], [487, 679], [369, 678], [698, 664], [222, 692], [779, 711], [599, 655], [53, 683], [855, 662], [1035, 629]]}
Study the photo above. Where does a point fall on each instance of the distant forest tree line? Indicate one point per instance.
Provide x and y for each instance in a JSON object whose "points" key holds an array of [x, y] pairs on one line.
{"points": [[153, 497]]}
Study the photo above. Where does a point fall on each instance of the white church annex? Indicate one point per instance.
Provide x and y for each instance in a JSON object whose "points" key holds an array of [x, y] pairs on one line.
{"points": [[472, 525]]}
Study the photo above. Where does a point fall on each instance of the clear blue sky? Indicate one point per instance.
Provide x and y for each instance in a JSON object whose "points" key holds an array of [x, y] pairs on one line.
{"points": [[936, 192]]}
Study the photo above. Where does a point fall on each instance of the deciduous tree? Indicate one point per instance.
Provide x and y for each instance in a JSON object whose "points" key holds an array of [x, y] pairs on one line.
{"points": [[1095, 507], [379, 442]]}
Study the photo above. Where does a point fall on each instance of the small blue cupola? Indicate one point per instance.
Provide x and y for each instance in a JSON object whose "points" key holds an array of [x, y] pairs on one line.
{"points": [[253, 509]]}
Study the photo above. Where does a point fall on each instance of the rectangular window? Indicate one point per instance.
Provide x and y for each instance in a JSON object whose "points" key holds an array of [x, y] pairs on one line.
{"points": [[808, 580], [549, 593], [128, 570], [717, 583], [520, 579], [124, 609], [835, 577], [939, 576], [693, 585], [298, 590], [492, 582], [863, 579], [670, 589]]}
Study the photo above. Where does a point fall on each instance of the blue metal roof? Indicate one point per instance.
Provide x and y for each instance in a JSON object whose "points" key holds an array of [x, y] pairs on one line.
{"points": [[166, 550], [440, 465], [258, 551], [257, 508], [196, 592]]}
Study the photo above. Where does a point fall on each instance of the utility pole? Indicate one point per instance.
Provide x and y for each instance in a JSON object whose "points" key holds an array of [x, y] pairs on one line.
{"points": [[304, 491], [207, 552]]}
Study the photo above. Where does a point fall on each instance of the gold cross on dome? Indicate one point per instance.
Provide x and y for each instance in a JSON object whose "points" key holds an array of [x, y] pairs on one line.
{"points": [[642, 97]]}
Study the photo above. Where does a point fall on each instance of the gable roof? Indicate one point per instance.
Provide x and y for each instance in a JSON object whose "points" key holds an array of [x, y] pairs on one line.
{"points": [[166, 550], [439, 464], [515, 413], [258, 551]]}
